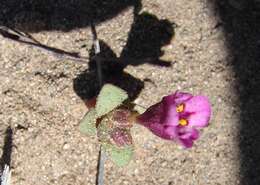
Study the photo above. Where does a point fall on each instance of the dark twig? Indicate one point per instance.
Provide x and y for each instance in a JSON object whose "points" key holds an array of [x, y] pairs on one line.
{"points": [[6, 157], [7, 148], [6, 176], [25, 38]]}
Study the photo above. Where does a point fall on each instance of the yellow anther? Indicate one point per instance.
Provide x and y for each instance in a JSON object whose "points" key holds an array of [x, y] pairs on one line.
{"points": [[183, 122], [180, 108]]}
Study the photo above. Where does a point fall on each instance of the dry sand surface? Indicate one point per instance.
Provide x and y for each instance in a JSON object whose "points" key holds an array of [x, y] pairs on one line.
{"points": [[41, 96]]}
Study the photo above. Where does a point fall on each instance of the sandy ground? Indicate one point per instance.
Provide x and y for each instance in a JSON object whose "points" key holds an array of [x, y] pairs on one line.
{"points": [[41, 96]]}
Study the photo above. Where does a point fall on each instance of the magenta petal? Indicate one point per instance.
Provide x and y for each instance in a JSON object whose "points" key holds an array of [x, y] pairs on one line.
{"points": [[181, 97], [200, 111], [178, 97], [170, 116], [165, 132], [171, 132], [188, 133], [160, 131], [187, 136], [170, 104], [187, 143], [152, 115]]}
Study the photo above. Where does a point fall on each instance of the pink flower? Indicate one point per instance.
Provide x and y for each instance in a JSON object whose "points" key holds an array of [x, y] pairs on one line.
{"points": [[178, 117]]}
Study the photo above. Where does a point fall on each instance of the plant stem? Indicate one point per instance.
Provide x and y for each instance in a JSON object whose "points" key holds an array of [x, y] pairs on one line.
{"points": [[101, 165], [6, 176], [101, 157]]}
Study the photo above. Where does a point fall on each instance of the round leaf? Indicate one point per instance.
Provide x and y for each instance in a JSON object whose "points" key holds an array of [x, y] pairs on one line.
{"points": [[121, 156], [88, 123], [109, 98]]}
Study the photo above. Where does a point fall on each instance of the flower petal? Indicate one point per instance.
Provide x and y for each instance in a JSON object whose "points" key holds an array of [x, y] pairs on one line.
{"points": [[170, 116], [188, 132], [181, 97], [160, 131], [199, 110], [187, 136], [171, 132], [186, 143], [170, 104], [152, 115]]}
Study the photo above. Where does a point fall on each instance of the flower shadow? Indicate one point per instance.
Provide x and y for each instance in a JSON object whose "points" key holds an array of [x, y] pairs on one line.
{"points": [[146, 38]]}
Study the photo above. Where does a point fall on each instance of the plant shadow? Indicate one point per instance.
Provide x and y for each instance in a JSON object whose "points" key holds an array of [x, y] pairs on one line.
{"points": [[147, 36], [139, 49], [63, 15], [7, 148], [241, 23]]}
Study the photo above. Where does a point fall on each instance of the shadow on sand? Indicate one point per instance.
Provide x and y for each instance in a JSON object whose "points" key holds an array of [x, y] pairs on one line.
{"points": [[146, 38], [63, 15], [241, 23]]}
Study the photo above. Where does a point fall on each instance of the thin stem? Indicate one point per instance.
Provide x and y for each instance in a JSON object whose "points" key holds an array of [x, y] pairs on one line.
{"points": [[101, 165], [99, 71], [6, 176], [101, 157]]}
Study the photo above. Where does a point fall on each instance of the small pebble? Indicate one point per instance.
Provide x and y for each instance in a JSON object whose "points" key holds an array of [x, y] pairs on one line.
{"points": [[66, 146]]}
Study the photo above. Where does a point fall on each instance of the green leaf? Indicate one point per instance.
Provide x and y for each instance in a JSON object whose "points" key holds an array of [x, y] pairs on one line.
{"points": [[120, 156], [88, 123], [109, 98]]}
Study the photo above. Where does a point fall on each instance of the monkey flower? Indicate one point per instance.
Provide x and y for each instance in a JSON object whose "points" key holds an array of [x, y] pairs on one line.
{"points": [[178, 117]]}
